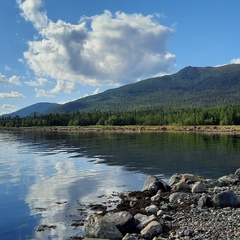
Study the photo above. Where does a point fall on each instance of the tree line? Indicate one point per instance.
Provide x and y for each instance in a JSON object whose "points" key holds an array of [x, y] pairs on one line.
{"points": [[224, 115]]}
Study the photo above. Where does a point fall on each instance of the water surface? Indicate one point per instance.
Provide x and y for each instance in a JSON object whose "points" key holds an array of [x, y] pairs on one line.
{"points": [[45, 177]]}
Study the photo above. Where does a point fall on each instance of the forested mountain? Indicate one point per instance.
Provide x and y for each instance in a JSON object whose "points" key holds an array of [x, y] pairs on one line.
{"points": [[35, 109], [190, 87]]}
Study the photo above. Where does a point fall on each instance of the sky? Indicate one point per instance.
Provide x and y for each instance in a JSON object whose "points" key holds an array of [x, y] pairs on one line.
{"points": [[59, 51]]}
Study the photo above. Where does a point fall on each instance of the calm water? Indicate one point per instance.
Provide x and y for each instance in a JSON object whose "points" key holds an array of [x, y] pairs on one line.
{"points": [[44, 177]]}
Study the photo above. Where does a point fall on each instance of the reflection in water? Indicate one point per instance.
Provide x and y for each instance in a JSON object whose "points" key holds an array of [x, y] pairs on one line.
{"points": [[44, 176]]}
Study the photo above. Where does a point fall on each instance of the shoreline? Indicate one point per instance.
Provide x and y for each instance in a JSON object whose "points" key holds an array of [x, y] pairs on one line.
{"points": [[214, 129]]}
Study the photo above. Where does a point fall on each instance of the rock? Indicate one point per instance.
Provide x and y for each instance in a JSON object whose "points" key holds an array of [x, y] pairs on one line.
{"points": [[156, 197], [96, 226], [160, 213], [229, 179], [167, 217], [215, 183], [143, 220], [225, 199], [198, 187], [205, 201], [153, 184], [191, 177], [96, 239], [152, 209], [123, 220], [151, 230], [182, 186], [129, 236], [174, 179], [238, 172], [177, 195]]}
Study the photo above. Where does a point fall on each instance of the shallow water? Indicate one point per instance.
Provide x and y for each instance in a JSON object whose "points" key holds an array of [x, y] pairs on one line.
{"points": [[45, 177]]}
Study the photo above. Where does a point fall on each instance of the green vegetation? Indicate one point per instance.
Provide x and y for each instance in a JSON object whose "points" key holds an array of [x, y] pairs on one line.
{"points": [[224, 115]]}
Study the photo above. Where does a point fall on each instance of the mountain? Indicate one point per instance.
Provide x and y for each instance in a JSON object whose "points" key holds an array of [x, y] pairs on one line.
{"points": [[190, 87], [37, 108]]}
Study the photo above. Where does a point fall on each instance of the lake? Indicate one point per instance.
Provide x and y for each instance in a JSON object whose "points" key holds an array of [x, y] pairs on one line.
{"points": [[46, 177]]}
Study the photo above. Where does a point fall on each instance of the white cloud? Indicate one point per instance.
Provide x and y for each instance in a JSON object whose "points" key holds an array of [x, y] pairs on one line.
{"points": [[12, 80], [7, 108], [15, 80], [31, 12], [61, 87], [235, 61], [115, 49], [12, 95], [38, 82], [43, 93]]}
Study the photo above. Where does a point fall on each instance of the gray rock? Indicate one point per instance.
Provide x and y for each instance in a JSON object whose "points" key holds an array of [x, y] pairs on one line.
{"points": [[152, 209], [174, 179], [177, 196], [123, 220], [167, 217], [229, 179], [205, 201], [182, 186], [238, 172], [198, 187], [96, 226], [129, 236], [226, 199], [156, 197], [153, 184], [143, 220], [151, 230]]}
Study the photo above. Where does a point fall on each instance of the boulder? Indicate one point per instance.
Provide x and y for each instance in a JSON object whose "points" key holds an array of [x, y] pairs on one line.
{"points": [[123, 220], [198, 187], [153, 229], [97, 226], [153, 184], [225, 199], [175, 178], [143, 220]]}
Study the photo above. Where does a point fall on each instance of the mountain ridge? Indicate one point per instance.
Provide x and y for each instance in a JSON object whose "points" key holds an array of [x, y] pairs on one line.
{"points": [[189, 87]]}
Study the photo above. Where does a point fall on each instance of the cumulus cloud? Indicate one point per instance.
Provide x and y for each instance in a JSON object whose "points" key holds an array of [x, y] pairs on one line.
{"points": [[15, 80], [43, 93], [38, 82], [61, 87], [12, 95], [105, 49], [31, 11]]}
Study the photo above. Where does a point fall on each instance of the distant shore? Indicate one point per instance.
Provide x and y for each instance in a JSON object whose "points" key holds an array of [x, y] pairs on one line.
{"points": [[230, 129]]}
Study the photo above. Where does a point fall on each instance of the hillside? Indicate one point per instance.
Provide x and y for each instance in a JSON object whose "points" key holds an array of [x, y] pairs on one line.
{"points": [[36, 109], [190, 87]]}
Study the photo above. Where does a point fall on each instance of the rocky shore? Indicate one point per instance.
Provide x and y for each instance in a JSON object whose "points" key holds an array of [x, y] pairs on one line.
{"points": [[129, 129], [187, 207]]}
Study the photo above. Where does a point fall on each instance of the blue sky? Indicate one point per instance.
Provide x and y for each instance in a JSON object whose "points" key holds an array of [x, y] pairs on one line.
{"points": [[59, 51]]}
